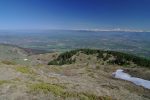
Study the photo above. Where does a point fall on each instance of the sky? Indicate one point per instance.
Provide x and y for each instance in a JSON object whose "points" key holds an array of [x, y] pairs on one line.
{"points": [[75, 14]]}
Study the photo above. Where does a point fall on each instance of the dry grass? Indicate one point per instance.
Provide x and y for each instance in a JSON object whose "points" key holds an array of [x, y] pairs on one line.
{"points": [[24, 69], [45, 88], [3, 82], [8, 62], [60, 91]]}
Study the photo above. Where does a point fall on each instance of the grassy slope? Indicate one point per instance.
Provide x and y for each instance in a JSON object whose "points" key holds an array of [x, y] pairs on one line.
{"points": [[76, 81]]}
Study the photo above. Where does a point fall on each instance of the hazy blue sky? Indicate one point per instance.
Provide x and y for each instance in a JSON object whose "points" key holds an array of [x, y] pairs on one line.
{"points": [[74, 14]]}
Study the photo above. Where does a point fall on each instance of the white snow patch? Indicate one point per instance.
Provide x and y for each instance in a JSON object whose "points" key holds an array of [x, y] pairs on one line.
{"points": [[55, 75], [138, 81], [25, 59]]}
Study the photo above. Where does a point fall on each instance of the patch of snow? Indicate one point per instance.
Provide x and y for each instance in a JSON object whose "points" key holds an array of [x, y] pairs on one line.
{"points": [[55, 75], [25, 59], [138, 81]]}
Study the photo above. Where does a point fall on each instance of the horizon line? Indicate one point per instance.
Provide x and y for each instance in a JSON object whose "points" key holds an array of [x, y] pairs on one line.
{"points": [[94, 30]]}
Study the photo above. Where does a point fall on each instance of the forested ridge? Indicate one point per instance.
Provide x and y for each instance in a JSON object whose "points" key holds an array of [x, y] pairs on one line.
{"points": [[120, 58]]}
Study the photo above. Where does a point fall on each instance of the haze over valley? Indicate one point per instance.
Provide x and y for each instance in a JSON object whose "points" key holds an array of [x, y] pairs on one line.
{"points": [[62, 40]]}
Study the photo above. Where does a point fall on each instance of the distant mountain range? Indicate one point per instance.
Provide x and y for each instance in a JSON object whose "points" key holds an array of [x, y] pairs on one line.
{"points": [[111, 30]]}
